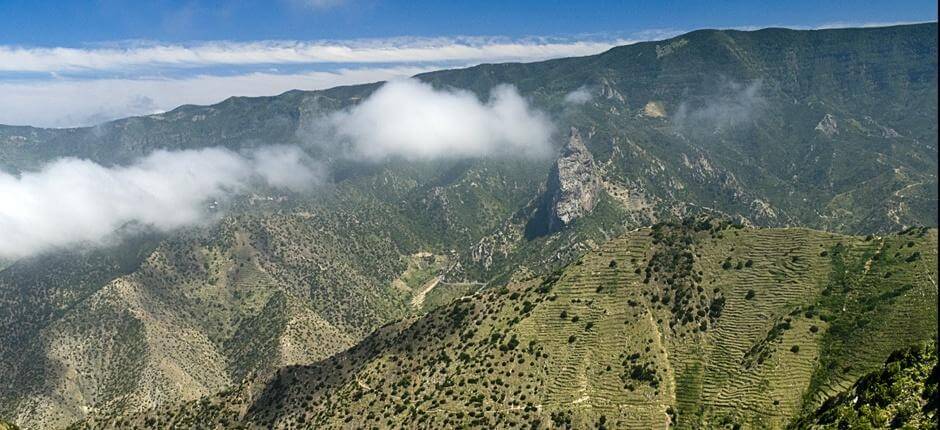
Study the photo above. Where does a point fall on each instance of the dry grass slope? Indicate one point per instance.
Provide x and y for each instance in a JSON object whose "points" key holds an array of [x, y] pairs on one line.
{"points": [[700, 324]]}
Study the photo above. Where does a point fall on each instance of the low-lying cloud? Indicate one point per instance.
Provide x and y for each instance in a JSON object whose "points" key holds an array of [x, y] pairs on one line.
{"points": [[75, 202], [78, 202], [579, 96], [733, 105], [412, 120]]}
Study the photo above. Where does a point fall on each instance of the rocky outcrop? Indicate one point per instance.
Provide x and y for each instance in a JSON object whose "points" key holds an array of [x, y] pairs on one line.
{"points": [[573, 185], [828, 126], [654, 109]]}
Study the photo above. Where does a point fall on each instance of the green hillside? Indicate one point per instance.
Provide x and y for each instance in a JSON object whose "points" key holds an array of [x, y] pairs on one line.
{"points": [[902, 394], [832, 129], [700, 324]]}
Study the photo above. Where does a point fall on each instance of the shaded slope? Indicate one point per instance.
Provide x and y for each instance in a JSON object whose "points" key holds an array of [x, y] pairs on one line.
{"points": [[902, 394]]}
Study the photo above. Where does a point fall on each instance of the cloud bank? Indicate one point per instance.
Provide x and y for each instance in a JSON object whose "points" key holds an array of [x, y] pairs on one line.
{"points": [[412, 120], [220, 53], [68, 102], [78, 202], [73, 87]]}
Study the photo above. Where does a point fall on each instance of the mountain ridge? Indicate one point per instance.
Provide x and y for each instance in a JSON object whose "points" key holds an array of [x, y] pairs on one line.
{"points": [[545, 351], [668, 140]]}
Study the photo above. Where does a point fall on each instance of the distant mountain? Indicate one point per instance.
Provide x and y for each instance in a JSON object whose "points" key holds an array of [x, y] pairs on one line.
{"points": [[828, 128], [831, 129], [694, 325]]}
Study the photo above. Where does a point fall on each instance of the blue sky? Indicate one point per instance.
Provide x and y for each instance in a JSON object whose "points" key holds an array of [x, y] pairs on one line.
{"points": [[68, 63], [70, 23]]}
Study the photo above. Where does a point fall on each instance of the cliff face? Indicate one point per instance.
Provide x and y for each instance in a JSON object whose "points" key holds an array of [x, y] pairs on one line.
{"points": [[573, 185]]}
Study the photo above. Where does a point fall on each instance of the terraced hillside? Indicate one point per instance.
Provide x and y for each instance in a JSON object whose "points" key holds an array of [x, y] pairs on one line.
{"points": [[830, 129], [699, 324]]}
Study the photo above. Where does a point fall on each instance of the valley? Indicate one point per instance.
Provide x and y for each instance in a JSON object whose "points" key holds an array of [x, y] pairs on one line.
{"points": [[732, 228]]}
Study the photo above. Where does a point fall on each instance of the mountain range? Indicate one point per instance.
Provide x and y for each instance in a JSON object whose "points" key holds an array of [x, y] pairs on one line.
{"points": [[510, 290]]}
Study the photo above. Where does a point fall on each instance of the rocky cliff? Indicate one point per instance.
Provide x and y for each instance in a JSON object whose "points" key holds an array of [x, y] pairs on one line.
{"points": [[573, 185]]}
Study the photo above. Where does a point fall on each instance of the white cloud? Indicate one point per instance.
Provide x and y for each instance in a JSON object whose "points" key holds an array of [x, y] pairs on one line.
{"points": [[86, 86], [83, 102], [397, 50], [732, 105], [579, 96], [78, 202], [412, 120]]}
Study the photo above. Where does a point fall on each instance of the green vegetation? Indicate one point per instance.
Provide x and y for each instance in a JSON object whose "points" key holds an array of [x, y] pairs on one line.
{"points": [[839, 134], [650, 349], [902, 394]]}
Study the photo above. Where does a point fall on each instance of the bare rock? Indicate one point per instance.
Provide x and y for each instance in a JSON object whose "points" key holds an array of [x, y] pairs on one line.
{"points": [[828, 125], [573, 183]]}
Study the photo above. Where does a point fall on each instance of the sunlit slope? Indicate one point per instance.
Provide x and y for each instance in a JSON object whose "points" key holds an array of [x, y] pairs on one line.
{"points": [[686, 326]]}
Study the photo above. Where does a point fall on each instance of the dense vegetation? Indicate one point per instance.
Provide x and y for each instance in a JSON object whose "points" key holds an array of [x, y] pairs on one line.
{"points": [[903, 394]]}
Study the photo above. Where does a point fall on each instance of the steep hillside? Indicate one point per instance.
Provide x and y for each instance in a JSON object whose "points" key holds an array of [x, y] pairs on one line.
{"points": [[184, 317], [691, 325], [902, 394], [830, 129]]}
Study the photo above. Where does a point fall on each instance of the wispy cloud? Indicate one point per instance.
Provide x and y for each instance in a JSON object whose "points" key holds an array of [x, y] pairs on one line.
{"points": [[387, 51], [68, 86], [83, 102], [732, 105], [579, 96], [78, 86]]}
